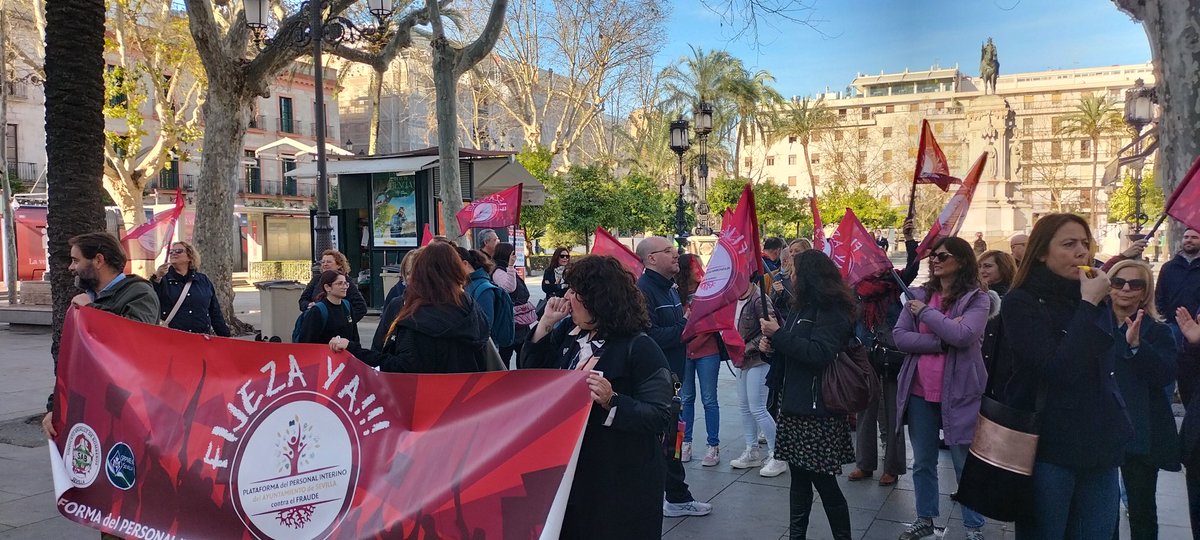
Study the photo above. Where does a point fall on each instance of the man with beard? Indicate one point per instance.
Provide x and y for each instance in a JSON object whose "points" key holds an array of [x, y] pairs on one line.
{"points": [[98, 262], [1179, 280]]}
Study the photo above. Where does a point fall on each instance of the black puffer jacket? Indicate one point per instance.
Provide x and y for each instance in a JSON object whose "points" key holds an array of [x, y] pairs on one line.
{"points": [[805, 347], [436, 339]]}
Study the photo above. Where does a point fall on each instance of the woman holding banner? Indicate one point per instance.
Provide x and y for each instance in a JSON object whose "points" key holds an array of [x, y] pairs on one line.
{"points": [[187, 299], [597, 327]]}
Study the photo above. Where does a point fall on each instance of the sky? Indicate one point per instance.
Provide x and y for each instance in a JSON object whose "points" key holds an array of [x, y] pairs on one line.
{"points": [[867, 36]]}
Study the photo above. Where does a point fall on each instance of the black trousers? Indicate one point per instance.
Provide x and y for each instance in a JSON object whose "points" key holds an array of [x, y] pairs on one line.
{"points": [[801, 499], [1141, 481], [676, 484], [1193, 493]]}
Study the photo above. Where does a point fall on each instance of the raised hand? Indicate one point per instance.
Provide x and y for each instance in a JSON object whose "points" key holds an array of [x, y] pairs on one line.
{"points": [[1188, 326], [1133, 329], [1094, 289]]}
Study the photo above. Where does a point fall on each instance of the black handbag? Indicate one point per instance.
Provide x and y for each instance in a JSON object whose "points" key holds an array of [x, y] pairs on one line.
{"points": [[997, 477]]}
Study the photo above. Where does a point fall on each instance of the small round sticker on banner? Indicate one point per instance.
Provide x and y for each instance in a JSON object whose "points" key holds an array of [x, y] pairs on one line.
{"points": [[484, 211], [120, 467], [717, 274], [82, 456]]}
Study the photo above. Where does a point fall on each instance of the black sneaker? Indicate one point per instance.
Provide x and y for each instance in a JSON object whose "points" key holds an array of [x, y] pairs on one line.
{"points": [[921, 528]]}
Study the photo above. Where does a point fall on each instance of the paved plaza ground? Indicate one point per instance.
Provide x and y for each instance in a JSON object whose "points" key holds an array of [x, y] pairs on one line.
{"points": [[745, 504]]}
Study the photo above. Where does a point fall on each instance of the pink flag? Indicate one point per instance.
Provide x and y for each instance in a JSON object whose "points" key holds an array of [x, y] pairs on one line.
{"points": [[932, 167], [951, 219], [426, 236], [818, 226], [607, 245], [156, 234], [1184, 203], [855, 252], [734, 259], [500, 209]]}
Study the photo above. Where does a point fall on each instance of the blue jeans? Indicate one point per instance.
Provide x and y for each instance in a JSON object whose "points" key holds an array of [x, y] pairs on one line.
{"points": [[1072, 503], [924, 421], [707, 369]]}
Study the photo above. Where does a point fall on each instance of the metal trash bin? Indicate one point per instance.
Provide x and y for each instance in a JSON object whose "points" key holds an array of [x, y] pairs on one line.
{"points": [[279, 301]]}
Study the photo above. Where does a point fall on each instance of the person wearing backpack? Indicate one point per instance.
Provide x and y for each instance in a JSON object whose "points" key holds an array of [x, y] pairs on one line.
{"points": [[813, 441], [505, 276], [942, 380], [494, 302], [331, 315]]}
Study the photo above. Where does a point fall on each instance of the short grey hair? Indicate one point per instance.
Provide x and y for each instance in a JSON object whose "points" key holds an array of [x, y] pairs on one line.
{"points": [[484, 236]]}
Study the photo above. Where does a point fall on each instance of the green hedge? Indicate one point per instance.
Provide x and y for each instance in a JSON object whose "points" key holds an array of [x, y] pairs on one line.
{"points": [[537, 262]]}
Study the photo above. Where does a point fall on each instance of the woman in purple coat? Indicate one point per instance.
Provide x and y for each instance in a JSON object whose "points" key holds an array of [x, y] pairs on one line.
{"points": [[942, 381]]}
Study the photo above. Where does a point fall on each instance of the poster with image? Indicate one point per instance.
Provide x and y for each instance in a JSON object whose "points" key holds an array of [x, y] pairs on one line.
{"points": [[395, 201]]}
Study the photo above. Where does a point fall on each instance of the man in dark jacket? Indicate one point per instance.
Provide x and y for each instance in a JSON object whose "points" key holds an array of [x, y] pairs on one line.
{"points": [[98, 262], [667, 319], [1179, 279]]}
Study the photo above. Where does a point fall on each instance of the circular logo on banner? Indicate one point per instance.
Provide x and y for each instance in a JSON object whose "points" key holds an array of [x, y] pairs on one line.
{"points": [[718, 272], [484, 211], [119, 466], [295, 470], [82, 455]]}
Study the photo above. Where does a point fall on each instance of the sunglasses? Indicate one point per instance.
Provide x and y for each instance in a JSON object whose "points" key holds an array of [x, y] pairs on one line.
{"points": [[564, 256], [176, 252], [1134, 284], [942, 256]]}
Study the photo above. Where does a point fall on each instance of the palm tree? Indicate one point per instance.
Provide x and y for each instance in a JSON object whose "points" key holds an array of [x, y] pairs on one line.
{"points": [[754, 103], [1094, 117], [705, 77], [74, 137], [803, 119]]}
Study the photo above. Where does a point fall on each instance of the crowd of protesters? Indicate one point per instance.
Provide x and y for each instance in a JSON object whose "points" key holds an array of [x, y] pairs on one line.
{"points": [[1096, 350]]}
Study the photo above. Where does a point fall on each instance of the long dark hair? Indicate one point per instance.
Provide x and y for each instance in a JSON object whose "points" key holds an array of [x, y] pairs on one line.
{"points": [[965, 279], [558, 252], [325, 280], [818, 282], [438, 277], [610, 293], [477, 259], [1039, 242], [503, 251], [686, 277]]}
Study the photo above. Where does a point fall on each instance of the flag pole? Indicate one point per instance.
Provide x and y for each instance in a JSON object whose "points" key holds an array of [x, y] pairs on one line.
{"points": [[903, 287], [1157, 224]]}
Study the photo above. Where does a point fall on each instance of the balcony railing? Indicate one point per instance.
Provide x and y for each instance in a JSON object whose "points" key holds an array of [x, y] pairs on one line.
{"points": [[17, 89], [23, 171], [258, 122]]}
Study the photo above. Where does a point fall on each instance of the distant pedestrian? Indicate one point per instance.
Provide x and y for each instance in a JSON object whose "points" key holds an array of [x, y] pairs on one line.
{"points": [[187, 299], [996, 270], [881, 240], [1179, 278], [1016, 246], [553, 283], [980, 244], [505, 276], [488, 240], [772, 249], [332, 259]]}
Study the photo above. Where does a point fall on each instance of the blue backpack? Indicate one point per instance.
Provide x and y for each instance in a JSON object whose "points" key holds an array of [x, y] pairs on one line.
{"points": [[504, 331], [319, 308]]}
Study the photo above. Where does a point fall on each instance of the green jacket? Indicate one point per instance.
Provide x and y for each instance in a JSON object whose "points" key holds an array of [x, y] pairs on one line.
{"points": [[133, 298]]}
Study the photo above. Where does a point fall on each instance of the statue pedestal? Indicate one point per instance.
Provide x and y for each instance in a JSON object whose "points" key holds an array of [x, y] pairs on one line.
{"points": [[993, 210]]}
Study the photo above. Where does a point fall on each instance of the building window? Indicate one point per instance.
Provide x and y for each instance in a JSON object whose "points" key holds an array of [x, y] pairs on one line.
{"points": [[862, 134], [791, 180], [770, 161], [287, 123], [889, 109], [838, 157], [862, 178], [1027, 99], [749, 136], [1055, 150], [1056, 124], [862, 157], [815, 158], [791, 159], [912, 152], [168, 176], [791, 139], [837, 135], [1056, 98], [887, 132], [1085, 149], [289, 182], [912, 130], [842, 113], [938, 127], [914, 107], [1027, 124], [816, 179], [866, 113], [10, 143], [253, 172], [749, 162], [887, 177], [887, 155], [1026, 150]]}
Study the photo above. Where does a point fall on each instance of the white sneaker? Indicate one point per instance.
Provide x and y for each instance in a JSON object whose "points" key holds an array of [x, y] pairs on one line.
{"points": [[751, 457], [685, 452], [690, 508], [773, 467], [712, 457]]}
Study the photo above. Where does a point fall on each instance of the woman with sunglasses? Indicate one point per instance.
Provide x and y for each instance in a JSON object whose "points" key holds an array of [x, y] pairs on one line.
{"points": [[187, 299], [1058, 341], [941, 382], [1145, 364], [553, 283]]}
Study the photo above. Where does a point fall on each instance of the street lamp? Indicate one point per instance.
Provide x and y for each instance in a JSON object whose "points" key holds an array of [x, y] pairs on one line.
{"points": [[1139, 111], [704, 122], [680, 144], [302, 35]]}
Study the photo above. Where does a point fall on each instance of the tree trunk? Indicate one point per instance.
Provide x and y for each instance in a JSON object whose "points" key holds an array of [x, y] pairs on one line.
{"points": [[226, 111], [1095, 217], [9, 226], [129, 200], [376, 94], [445, 83], [1173, 28], [737, 154], [74, 138], [812, 180]]}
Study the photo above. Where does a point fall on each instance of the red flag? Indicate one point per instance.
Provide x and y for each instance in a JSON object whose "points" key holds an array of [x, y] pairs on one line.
{"points": [[156, 234], [932, 167], [426, 236], [951, 219], [607, 245], [855, 252], [734, 259], [1184, 203], [818, 226], [500, 209]]}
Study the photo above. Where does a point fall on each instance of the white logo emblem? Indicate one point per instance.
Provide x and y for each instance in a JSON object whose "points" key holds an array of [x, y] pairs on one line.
{"points": [[82, 455]]}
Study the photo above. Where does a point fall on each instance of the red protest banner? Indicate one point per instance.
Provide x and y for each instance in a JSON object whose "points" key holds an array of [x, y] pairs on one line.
{"points": [[1184, 203], [607, 245], [426, 236], [854, 251], [500, 209], [951, 219], [163, 433]]}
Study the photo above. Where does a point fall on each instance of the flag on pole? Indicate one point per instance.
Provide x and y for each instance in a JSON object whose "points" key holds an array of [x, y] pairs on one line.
{"points": [[734, 260], [932, 166], [951, 219], [854, 251], [607, 245], [426, 236], [500, 209], [157, 233], [818, 226], [1184, 203]]}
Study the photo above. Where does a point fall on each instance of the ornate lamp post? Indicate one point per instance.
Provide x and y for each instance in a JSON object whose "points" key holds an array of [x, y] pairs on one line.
{"points": [[680, 144], [335, 29], [1139, 111], [704, 120]]}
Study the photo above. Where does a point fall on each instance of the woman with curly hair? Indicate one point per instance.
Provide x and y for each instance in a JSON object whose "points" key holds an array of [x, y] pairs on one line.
{"points": [[597, 327], [814, 442], [942, 380], [332, 259]]}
